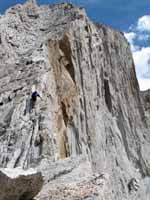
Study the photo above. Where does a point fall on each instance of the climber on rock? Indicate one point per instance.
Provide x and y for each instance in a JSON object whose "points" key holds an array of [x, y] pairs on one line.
{"points": [[34, 96], [33, 100]]}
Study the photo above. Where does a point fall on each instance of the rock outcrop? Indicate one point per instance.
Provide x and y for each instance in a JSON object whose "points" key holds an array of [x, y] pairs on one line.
{"points": [[90, 107], [17, 184]]}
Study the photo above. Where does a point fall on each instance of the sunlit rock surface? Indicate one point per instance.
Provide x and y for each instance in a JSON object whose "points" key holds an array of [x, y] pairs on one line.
{"points": [[145, 97], [90, 107]]}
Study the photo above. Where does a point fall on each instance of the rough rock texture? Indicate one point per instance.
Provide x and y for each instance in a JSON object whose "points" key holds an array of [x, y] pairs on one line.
{"points": [[74, 181], [17, 184], [145, 97], [90, 105]]}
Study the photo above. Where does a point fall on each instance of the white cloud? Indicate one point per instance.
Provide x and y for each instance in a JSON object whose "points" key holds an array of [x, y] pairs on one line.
{"points": [[141, 60], [143, 37], [144, 23], [144, 83], [141, 55], [131, 36], [142, 65]]}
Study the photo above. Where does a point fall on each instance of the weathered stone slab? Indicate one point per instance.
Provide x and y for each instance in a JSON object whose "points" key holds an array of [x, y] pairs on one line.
{"points": [[18, 184]]}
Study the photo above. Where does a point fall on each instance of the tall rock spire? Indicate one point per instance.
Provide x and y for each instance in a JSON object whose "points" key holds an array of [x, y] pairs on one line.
{"points": [[31, 3], [31, 8]]}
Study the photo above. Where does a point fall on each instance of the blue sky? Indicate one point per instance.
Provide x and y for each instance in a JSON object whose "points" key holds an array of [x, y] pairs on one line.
{"points": [[129, 16]]}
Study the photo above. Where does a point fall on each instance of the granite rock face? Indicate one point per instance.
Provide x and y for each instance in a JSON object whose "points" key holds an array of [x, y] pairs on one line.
{"points": [[17, 184], [145, 98], [90, 107]]}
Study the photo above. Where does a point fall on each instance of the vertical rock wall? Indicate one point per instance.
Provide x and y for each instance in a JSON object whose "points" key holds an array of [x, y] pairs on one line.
{"points": [[90, 106]]}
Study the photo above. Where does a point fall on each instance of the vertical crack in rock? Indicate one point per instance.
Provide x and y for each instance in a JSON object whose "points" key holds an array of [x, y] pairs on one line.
{"points": [[67, 96], [107, 95], [64, 45]]}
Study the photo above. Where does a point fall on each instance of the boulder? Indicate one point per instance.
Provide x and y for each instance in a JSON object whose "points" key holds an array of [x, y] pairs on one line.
{"points": [[18, 184]]}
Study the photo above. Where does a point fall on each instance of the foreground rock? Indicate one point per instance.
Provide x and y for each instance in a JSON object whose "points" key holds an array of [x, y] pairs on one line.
{"points": [[17, 184], [73, 179]]}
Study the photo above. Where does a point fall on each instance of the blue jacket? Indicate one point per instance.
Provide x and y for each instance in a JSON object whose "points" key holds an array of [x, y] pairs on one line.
{"points": [[35, 95]]}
